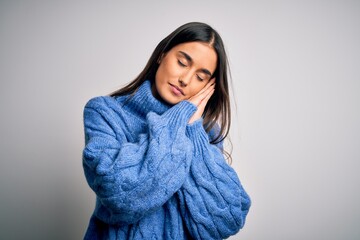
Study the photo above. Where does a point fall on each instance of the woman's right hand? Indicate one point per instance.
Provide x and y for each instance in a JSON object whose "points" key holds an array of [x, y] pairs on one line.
{"points": [[201, 98]]}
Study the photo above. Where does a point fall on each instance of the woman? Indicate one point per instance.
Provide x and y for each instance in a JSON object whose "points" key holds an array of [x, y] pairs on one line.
{"points": [[154, 154]]}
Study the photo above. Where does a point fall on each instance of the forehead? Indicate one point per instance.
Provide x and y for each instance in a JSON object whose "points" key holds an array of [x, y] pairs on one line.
{"points": [[201, 53]]}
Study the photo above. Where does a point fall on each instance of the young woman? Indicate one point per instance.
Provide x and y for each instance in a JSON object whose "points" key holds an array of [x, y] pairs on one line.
{"points": [[153, 149]]}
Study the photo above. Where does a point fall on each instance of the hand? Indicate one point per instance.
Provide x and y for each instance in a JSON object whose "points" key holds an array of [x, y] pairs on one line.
{"points": [[201, 99]]}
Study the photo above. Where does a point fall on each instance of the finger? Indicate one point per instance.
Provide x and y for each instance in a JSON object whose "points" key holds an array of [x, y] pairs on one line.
{"points": [[207, 86], [210, 83], [206, 98], [204, 89], [208, 95], [201, 95], [209, 89]]}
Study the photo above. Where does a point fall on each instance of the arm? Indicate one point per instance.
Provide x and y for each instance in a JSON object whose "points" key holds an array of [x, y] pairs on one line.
{"points": [[134, 179], [213, 201]]}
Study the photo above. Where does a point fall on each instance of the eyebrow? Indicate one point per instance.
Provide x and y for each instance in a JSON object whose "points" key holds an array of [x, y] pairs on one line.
{"points": [[204, 70]]}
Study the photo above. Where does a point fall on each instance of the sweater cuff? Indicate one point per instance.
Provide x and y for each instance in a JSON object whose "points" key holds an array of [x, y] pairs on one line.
{"points": [[197, 134], [180, 113]]}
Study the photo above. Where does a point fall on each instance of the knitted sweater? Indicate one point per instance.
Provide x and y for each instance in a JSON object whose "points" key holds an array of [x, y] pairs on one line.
{"points": [[156, 176]]}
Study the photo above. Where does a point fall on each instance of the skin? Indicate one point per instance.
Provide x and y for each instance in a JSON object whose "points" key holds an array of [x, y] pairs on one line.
{"points": [[185, 73]]}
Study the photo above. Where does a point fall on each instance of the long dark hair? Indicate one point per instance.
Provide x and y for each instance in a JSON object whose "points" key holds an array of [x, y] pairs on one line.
{"points": [[217, 110]]}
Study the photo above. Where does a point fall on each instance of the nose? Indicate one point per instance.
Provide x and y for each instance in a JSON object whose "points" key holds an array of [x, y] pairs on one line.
{"points": [[185, 79], [182, 83]]}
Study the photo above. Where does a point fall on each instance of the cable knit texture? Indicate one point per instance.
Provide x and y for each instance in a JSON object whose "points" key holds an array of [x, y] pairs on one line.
{"points": [[156, 176]]}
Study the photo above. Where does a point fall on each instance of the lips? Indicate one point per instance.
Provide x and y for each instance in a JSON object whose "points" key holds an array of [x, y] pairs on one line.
{"points": [[177, 90]]}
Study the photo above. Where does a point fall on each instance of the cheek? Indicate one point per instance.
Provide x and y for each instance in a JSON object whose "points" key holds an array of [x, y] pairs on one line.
{"points": [[169, 69], [197, 88], [161, 75]]}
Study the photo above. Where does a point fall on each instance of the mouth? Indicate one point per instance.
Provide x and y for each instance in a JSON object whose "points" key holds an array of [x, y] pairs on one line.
{"points": [[177, 89]]}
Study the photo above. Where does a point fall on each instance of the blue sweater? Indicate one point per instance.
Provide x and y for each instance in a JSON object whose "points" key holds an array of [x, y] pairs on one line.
{"points": [[156, 176]]}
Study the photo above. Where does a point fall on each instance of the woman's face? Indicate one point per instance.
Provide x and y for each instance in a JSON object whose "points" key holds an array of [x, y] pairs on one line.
{"points": [[184, 71]]}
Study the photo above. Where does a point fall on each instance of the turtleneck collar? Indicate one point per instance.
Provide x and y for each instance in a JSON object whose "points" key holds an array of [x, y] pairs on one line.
{"points": [[143, 101]]}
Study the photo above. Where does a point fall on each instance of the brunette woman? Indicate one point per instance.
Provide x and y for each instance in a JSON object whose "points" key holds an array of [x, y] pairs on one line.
{"points": [[154, 149]]}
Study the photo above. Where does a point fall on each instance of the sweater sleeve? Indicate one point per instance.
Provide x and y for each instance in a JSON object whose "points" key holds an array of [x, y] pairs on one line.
{"points": [[213, 202], [132, 179]]}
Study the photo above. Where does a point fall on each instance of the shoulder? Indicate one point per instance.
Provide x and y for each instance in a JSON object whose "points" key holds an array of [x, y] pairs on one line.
{"points": [[104, 107], [105, 114], [105, 103], [101, 102]]}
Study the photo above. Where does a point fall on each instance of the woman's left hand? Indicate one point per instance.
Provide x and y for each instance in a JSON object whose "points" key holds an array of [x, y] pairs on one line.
{"points": [[201, 99]]}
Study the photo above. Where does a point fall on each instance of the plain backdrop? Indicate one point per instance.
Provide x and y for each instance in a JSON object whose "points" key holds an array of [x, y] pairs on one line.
{"points": [[296, 82]]}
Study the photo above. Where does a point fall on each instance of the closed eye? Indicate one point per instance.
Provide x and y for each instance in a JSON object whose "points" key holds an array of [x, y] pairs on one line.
{"points": [[200, 78], [181, 63]]}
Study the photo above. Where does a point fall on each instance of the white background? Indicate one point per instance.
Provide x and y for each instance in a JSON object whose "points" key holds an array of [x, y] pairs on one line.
{"points": [[296, 136]]}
